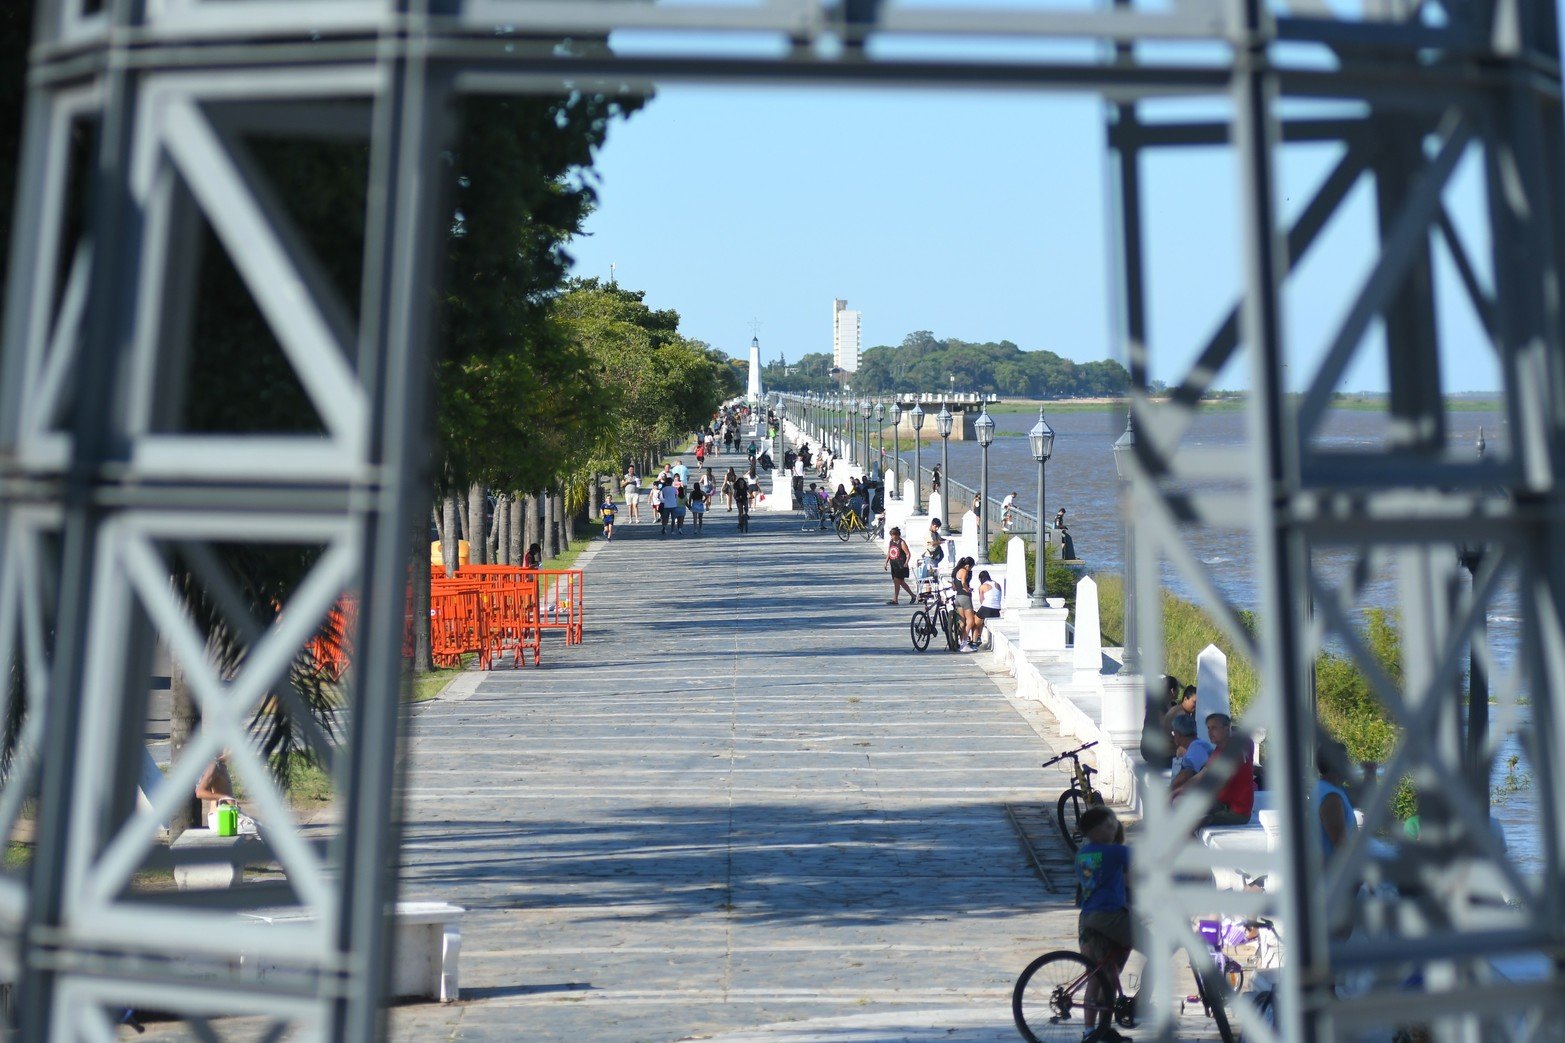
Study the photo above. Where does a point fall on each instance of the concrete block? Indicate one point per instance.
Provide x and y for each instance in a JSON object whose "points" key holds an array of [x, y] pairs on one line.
{"points": [[781, 496], [204, 871], [1043, 629], [426, 949]]}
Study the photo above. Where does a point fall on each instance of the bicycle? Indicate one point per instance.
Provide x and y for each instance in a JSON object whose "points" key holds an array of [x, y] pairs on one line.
{"points": [[1049, 1003], [849, 522], [937, 618], [1081, 795]]}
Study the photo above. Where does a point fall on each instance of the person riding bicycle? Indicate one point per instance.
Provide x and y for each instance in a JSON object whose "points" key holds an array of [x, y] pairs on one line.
{"points": [[1104, 926]]}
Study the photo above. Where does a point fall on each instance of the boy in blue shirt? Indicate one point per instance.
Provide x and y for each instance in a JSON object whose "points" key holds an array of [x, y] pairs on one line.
{"points": [[609, 511], [1104, 927]]}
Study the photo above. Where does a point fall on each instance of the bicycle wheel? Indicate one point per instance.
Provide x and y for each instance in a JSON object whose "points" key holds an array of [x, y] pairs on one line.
{"points": [[921, 629], [1212, 999], [951, 627], [870, 534], [1068, 813], [844, 529], [1049, 1002]]}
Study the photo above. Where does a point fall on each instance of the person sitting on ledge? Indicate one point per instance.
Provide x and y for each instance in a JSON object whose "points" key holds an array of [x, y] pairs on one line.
{"points": [[1236, 799], [215, 788], [1190, 753]]}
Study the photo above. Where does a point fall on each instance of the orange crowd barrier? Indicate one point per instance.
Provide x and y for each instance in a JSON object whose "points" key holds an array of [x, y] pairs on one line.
{"points": [[458, 624], [489, 610], [331, 648], [518, 605]]}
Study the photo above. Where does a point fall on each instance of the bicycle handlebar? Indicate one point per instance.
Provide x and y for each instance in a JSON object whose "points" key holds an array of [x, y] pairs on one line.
{"points": [[1068, 753]]}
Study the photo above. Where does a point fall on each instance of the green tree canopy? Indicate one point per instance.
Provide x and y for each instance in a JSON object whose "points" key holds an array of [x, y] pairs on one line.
{"points": [[922, 362]]}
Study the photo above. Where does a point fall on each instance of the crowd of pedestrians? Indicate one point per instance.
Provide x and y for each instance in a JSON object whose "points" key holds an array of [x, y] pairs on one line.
{"points": [[678, 499]]}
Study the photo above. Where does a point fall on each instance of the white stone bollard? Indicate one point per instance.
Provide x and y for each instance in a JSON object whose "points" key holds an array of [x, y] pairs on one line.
{"points": [[1016, 595], [909, 490], [1087, 654], [967, 541], [1211, 687], [937, 507]]}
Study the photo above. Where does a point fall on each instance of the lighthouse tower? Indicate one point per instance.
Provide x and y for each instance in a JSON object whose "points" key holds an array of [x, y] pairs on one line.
{"points": [[753, 392]]}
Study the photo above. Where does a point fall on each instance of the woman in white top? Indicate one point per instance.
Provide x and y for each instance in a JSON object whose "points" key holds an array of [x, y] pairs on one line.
{"points": [[988, 597], [632, 487]]}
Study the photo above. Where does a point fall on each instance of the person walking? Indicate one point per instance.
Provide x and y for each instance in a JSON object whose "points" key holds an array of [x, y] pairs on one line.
{"points": [[670, 501], [609, 513], [697, 499], [897, 563], [742, 493], [729, 481], [934, 480], [631, 485]]}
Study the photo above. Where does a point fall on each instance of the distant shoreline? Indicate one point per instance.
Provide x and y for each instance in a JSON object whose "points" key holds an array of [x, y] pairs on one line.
{"points": [[1466, 403]]}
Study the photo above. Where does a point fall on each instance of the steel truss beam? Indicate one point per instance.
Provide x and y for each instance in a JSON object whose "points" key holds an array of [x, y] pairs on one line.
{"points": [[100, 485]]}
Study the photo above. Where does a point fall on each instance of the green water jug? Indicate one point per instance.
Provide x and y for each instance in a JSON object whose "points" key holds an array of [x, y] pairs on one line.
{"points": [[227, 820]]}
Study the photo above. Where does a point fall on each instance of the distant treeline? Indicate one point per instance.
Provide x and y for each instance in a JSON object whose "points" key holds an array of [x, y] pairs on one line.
{"points": [[923, 362]]}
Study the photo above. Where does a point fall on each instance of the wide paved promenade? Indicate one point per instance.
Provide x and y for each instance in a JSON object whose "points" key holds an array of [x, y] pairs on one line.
{"points": [[744, 801]]}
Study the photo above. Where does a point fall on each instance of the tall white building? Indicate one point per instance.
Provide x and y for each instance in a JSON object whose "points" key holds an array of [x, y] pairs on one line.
{"points": [[845, 337]]}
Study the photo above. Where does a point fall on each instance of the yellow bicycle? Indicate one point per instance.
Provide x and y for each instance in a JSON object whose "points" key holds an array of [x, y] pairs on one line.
{"points": [[849, 522]]}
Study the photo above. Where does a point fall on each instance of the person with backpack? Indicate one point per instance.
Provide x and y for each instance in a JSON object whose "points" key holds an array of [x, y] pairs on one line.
{"points": [[897, 555]]}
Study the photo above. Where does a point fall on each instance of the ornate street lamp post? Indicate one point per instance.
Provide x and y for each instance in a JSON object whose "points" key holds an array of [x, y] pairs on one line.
{"points": [[917, 417], [943, 420], [1041, 440], [865, 409], [779, 448], [880, 441], [1471, 557], [1124, 462], [896, 445], [984, 427]]}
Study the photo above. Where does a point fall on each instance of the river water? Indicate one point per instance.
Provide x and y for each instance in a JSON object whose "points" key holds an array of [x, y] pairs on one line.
{"points": [[1081, 478]]}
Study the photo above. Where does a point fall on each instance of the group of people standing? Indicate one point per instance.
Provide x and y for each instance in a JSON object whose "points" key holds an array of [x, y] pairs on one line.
{"points": [[676, 494]]}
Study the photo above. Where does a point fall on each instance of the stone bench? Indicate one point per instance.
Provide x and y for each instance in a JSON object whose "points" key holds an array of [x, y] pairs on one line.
{"points": [[205, 861], [426, 948]]}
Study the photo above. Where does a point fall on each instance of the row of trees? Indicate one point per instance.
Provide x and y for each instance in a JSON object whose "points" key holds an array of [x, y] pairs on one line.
{"points": [[541, 384], [922, 362]]}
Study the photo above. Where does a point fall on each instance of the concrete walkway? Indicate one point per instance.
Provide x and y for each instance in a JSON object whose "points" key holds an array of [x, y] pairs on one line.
{"points": [[743, 809]]}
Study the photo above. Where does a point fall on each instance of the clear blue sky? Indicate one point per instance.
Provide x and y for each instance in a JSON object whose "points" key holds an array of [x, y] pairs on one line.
{"points": [[979, 216]]}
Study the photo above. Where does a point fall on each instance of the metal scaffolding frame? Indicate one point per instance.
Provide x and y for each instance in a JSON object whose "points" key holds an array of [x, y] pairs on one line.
{"points": [[97, 483]]}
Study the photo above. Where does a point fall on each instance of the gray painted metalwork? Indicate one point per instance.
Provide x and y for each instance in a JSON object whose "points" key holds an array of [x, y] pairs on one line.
{"points": [[97, 485]]}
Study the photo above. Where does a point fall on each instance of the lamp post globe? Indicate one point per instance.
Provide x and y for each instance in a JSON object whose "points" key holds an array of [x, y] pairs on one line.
{"points": [[916, 417], [1041, 440], [943, 422], [896, 446], [1124, 460], [983, 427]]}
